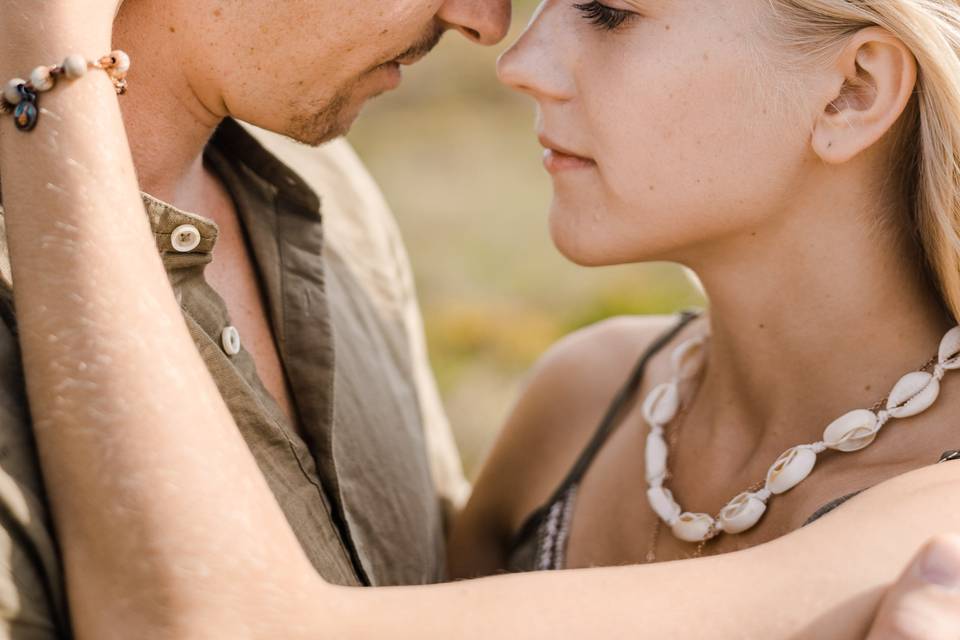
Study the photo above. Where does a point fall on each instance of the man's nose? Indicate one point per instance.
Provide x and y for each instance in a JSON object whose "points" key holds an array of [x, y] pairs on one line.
{"points": [[485, 22]]}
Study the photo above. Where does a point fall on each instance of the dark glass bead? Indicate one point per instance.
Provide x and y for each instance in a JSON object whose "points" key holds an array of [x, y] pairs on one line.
{"points": [[25, 116]]}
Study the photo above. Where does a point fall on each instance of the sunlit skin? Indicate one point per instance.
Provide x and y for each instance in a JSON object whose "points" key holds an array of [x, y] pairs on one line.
{"points": [[168, 529], [284, 66], [303, 68], [678, 135], [677, 111]]}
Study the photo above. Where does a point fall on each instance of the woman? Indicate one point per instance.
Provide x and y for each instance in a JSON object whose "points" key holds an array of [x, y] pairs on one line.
{"points": [[795, 218], [807, 201]]}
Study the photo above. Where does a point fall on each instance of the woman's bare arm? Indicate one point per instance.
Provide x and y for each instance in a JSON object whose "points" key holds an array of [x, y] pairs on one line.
{"points": [[824, 581], [111, 370], [169, 530]]}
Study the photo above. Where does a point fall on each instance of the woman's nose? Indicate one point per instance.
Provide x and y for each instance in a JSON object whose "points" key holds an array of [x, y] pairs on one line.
{"points": [[483, 21], [535, 64]]}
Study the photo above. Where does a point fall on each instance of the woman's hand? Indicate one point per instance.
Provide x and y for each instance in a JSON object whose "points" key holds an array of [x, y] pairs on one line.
{"points": [[925, 602]]}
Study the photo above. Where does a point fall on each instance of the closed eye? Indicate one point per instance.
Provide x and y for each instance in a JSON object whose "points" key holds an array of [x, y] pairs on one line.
{"points": [[604, 17]]}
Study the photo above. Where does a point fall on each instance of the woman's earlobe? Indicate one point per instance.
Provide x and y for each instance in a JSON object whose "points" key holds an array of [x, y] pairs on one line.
{"points": [[830, 144], [834, 127]]}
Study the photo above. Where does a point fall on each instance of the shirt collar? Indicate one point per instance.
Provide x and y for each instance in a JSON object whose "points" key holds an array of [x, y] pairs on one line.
{"points": [[266, 178]]}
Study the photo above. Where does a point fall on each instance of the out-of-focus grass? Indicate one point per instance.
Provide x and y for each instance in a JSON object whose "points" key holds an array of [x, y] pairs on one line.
{"points": [[456, 156]]}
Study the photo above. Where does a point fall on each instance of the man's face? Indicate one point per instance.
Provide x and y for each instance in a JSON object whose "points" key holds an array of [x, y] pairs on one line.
{"points": [[305, 68]]}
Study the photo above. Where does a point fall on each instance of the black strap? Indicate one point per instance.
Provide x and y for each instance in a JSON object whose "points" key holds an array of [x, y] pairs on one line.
{"points": [[948, 456], [607, 425]]}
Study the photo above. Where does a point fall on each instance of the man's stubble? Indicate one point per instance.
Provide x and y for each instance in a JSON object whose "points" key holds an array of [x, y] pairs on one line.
{"points": [[330, 120]]}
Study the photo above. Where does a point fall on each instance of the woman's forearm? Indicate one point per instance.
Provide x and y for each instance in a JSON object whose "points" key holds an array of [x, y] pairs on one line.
{"points": [[823, 582], [135, 441]]}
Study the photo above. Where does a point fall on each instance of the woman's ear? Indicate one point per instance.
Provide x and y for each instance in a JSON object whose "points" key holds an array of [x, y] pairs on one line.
{"points": [[875, 77]]}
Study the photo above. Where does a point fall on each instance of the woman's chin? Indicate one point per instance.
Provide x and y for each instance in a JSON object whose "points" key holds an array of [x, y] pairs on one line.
{"points": [[605, 249], [581, 250]]}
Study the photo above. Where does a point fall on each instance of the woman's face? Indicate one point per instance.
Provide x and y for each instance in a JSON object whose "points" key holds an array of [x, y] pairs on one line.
{"points": [[664, 130]]}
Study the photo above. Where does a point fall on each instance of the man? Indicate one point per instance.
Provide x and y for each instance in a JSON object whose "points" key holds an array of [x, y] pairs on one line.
{"points": [[312, 344]]}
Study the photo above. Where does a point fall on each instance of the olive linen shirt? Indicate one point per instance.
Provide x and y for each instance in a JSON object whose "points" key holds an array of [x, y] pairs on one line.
{"points": [[357, 487]]}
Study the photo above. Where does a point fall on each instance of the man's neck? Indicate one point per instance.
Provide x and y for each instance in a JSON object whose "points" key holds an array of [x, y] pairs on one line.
{"points": [[168, 125]]}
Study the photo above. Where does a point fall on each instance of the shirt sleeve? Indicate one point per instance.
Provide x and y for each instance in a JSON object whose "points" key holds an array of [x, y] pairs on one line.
{"points": [[32, 595]]}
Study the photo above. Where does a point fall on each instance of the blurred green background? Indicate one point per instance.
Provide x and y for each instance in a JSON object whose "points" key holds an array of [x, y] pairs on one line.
{"points": [[457, 158]]}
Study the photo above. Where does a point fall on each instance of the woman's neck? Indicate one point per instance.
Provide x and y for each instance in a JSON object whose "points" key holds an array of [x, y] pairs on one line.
{"points": [[808, 326]]}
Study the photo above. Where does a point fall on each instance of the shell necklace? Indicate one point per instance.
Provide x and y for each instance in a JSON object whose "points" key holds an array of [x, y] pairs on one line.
{"points": [[913, 394]]}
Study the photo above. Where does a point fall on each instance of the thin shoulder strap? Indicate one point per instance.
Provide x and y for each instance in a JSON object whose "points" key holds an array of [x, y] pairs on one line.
{"points": [[607, 425], [623, 397]]}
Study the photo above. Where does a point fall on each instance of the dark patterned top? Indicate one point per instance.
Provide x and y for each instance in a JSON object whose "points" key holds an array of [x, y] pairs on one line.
{"points": [[541, 544]]}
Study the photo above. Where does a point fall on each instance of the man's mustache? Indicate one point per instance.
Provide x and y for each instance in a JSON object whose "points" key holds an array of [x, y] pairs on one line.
{"points": [[424, 46]]}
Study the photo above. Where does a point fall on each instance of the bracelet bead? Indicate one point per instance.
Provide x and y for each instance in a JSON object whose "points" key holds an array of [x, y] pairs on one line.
{"points": [[20, 97], [119, 62], [26, 115], [42, 79], [75, 66], [11, 92]]}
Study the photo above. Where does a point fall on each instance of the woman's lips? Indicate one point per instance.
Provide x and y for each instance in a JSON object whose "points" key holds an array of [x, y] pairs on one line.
{"points": [[557, 162], [557, 159]]}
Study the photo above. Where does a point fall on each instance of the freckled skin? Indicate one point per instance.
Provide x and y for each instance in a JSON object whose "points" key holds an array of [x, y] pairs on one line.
{"points": [[303, 68], [667, 100], [169, 530]]}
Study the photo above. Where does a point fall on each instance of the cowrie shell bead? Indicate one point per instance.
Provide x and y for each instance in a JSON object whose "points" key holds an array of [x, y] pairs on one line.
{"points": [[41, 79], [656, 457], [75, 66], [949, 356], [122, 64], [11, 92], [914, 394], [662, 502], [688, 359], [852, 432], [790, 469], [693, 527], [742, 513], [662, 404]]}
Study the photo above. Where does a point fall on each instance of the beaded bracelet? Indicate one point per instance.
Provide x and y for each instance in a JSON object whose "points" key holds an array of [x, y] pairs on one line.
{"points": [[20, 96]]}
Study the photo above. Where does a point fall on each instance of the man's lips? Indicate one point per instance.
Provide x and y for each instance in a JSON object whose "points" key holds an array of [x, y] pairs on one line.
{"points": [[390, 74], [410, 59], [557, 158], [392, 69]]}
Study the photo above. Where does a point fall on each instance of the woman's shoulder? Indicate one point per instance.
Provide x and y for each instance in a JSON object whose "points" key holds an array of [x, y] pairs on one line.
{"points": [[613, 344], [574, 383], [565, 397]]}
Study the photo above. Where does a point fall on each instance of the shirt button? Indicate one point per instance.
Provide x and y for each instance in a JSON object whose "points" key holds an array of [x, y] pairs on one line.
{"points": [[185, 238], [230, 339]]}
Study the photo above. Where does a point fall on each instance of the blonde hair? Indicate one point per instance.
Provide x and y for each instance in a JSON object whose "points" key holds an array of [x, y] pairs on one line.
{"points": [[928, 161]]}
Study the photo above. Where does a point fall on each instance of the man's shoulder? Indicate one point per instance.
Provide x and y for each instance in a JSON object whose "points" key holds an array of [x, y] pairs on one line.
{"points": [[360, 230]]}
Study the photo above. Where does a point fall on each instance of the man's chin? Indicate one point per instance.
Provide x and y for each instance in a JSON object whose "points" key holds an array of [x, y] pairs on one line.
{"points": [[336, 118], [321, 138], [320, 128]]}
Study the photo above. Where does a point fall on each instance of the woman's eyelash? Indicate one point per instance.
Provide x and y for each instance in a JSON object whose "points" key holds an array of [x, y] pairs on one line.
{"points": [[602, 16]]}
